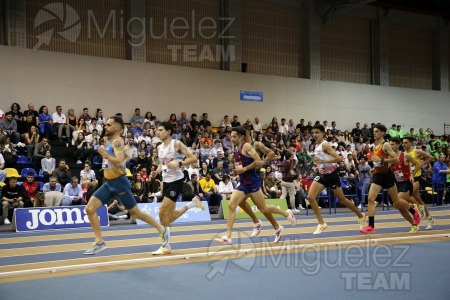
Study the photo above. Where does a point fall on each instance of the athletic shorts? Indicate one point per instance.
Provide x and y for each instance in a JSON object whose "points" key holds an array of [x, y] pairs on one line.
{"points": [[418, 178], [118, 187], [329, 180], [405, 187], [172, 189], [386, 180], [249, 189]]}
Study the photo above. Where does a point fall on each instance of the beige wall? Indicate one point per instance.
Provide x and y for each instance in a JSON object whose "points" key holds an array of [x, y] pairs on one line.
{"points": [[115, 85]]}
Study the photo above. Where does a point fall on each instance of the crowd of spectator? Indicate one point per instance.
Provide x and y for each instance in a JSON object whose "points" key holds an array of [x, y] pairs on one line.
{"points": [[32, 132]]}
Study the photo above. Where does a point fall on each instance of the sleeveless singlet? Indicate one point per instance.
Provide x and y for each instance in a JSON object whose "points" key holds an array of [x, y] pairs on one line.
{"points": [[106, 164], [401, 170], [377, 166], [249, 177], [166, 155], [414, 156], [325, 168]]}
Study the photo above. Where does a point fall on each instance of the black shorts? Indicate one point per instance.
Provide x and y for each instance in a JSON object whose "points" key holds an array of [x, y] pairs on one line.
{"points": [[329, 180], [405, 187], [386, 180], [418, 178], [172, 189]]}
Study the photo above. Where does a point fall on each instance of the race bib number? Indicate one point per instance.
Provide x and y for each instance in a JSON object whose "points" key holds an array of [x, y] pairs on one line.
{"points": [[399, 176], [104, 163], [317, 178]]}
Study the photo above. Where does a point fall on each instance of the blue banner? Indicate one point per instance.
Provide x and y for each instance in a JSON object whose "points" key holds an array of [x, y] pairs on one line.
{"points": [[58, 217], [252, 96], [192, 215]]}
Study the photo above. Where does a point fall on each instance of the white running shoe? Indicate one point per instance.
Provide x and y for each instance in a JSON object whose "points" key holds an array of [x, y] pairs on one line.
{"points": [[320, 228], [278, 234], [295, 211], [198, 202], [430, 222], [162, 251], [291, 218], [224, 240], [6, 221], [256, 229]]}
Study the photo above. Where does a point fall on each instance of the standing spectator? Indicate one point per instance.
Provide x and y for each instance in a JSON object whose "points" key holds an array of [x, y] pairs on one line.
{"points": [[365, 132], [45, 122], [85, 116], [287, 169], [48, 165], [12, 194], [73, 194], [60, 123], [364, 179], [9, 127], [62, 173], [204, 121], [235, 122], [31, 112], [101, 120], [31, 139], [30, 187], [356, 132], [137, 116], [440, 171]]}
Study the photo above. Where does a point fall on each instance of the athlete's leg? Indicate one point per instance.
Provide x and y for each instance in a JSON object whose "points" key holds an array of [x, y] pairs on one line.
{"points": [[236, 198], [347, 203], [315, 189], [416, 195], [136, 213], [401, 204], [91, 211]]}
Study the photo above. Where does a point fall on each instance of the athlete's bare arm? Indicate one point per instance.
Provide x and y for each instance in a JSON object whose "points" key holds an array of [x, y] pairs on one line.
{"points": [[119, 152], [190, 158], [393, 158], [269, 154]]}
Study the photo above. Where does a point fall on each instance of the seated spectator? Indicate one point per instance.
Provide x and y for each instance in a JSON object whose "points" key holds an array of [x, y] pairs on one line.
{"points": [[226, 187], [12, 194], [83, 150], [62, 173], [60, 123], [100, 118], [142, 160], [30, 187], [95, 126], [155, 187], [191, 189], [139, 188], [73, 194], [271, 186], [52, 185], [81, 127], [2, 166], [204, 170], [8, 151], [39, 151], [209, 190], [137, 117], [116, 210], [87, 179], [48, 165], [72, 121], [31, 139], [45, 122], [9, 127], [219, 172], [30, 112]]}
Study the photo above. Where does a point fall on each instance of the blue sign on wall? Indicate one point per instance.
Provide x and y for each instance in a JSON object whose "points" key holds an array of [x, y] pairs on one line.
{"points": [[58, 217], [192, 215], [252, 96]]}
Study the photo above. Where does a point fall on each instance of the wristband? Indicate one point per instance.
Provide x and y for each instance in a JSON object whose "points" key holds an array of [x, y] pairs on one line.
{"points": [[382, 161], [180, 164]]}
